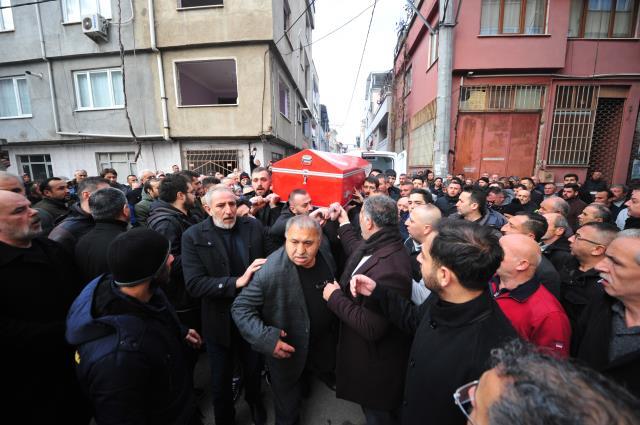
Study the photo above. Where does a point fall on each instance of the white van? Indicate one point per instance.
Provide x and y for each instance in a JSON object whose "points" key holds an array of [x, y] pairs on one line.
{"points": [[383, 160]]}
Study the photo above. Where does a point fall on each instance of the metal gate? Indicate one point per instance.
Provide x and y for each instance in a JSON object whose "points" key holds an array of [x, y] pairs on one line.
{"points": [[606, 134], [209, 162]]}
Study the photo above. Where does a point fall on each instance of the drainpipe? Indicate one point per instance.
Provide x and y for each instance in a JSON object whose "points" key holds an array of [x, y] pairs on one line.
{"points": [[443, 100], [43, 52], [163, 95]]}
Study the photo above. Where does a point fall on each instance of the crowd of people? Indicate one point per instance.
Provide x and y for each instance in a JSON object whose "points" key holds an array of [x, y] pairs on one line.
{"points": [[425, 300]]}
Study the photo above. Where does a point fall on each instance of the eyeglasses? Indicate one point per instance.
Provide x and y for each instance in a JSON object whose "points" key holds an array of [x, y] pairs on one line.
{"points": [[464, 397], [322, 284], [580, 238]]}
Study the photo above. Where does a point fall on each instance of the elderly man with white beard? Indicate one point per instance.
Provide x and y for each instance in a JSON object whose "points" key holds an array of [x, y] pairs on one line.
{"points": [[219, 257]]}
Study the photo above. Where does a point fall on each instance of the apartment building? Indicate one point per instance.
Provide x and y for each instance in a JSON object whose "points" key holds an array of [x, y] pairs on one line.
{"points": [[537, 86], [205, 81], [377, 105]]}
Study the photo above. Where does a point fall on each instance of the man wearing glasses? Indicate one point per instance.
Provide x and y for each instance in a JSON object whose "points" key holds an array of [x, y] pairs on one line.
{"points": [[282, 315], [579, 278], [456, 328], [608, 333]]}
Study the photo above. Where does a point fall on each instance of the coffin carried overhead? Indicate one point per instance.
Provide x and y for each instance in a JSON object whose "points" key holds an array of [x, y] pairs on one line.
{"points": [[328, 177]]}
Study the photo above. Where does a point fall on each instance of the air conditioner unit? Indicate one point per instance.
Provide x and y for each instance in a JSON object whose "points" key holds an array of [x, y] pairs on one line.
{"points": [[95, 27]]}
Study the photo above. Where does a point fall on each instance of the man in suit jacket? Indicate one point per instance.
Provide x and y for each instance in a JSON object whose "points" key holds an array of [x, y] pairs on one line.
{"points": [[372, 353], [219, 256], [270, 314]]}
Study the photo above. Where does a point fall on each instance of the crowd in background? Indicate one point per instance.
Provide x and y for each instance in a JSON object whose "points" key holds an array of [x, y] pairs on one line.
{"points": [[425, 300]]}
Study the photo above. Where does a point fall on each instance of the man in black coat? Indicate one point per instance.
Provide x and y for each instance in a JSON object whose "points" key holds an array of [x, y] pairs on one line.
{"points": [[607, 337], [447, 203], [132, 358], [372, 352], [39, 283], [219, 257], [555, 244], [266, 205], [79, 221], [111, 214], [453, 331]]}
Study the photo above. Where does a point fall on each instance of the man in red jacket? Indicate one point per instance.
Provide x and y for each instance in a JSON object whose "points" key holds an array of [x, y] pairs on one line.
{"points": [[536, 315]]}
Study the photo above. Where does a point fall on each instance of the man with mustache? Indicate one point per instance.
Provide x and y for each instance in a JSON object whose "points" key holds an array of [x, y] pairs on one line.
{"points": [[607, 337], [219, 257], [39, 283], [266, 205]]}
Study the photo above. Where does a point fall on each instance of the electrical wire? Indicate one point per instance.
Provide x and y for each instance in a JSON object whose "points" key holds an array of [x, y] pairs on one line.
{"points": [[364, 48], [335, 29], [11, 6]]}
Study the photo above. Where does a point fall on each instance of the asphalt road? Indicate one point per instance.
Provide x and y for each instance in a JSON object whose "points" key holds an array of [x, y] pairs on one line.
{"points": [[321, 408]]}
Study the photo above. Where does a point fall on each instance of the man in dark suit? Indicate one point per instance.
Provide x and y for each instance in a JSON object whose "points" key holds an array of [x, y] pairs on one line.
{"points": [[219, 256], [372, 352], [294, 335]]}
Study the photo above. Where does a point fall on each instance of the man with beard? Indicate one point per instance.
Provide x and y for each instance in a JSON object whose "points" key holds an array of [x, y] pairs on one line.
{"points": [[55, 195], [170, 216], [219, 257], [132, 350], [447, 203], [38, 286], [266, 205], [453, 331], [196, 211], [15, 184]]}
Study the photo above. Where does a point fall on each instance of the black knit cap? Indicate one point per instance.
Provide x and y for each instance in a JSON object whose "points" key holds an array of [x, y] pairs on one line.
{"points": [[137, 256]]}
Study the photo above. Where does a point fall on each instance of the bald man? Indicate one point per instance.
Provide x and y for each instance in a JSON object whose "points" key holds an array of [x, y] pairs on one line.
{"points": [[38, 285], [13, 183], [535, 314], [420, 224]]}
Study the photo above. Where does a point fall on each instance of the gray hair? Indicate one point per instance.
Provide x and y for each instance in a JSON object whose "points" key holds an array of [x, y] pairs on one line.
{"points": [[602, 212], [536, 391], [5, 175], [107, 203], [303, 222], [382, 210], [560, 206], [632, 234], [561, 221], [206, 199]]}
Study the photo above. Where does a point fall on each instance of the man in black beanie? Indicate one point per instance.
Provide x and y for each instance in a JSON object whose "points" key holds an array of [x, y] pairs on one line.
{"points": [[132, 351]]}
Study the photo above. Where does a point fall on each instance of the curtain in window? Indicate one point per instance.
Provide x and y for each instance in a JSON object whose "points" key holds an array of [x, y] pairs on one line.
{"points": [[118, 90], [104, 8], [8, 104], [88, 7], [534, 17], [100, 89], [6, 16], [622, 21], [597, 23], [489, 17], [83, 91], [511, 18], [72, 9], [23, 92], [574, 18]]}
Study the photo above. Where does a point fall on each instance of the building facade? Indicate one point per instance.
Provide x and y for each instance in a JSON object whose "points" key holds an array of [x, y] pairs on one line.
{"points": [[541, 87], [377, 106], [205, 81]]}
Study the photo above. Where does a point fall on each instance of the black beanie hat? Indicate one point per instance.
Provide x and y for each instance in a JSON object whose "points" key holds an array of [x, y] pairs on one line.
{"points": [[137, 256]]}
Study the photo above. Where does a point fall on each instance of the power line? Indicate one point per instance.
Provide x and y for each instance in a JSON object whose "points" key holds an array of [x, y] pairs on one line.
{"points": [[336, 29], [364, 48], [311, 3], [11, 6]]}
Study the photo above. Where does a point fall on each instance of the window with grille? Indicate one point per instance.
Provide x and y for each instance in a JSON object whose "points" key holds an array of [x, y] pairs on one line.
{"points": [[501, 98], [209, 162], [38, 167], [572, 130]]}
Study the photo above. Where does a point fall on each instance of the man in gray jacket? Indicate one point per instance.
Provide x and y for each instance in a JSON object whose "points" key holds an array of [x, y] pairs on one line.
{"points": [[293, 335]]}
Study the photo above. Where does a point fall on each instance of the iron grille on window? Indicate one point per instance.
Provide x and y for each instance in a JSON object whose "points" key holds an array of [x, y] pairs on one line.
{"points": [[572, 130], [209, 162], [501, 98]]}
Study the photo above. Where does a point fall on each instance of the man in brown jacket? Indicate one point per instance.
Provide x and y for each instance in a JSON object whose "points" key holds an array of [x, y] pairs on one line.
{"points": [[372, 352]]}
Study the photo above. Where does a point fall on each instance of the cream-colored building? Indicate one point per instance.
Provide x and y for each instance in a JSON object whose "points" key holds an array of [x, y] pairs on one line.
{"points": [[205, 81]]}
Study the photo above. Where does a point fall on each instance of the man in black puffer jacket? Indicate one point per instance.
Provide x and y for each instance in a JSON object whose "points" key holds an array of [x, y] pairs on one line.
{"points": [[447, 203]]}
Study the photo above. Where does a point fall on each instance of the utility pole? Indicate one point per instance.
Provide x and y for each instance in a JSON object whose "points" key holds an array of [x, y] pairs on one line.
{"points": [[443, 100]]}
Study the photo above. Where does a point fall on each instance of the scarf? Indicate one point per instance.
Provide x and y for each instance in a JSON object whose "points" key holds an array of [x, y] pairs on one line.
{"points": [[382, 238]]}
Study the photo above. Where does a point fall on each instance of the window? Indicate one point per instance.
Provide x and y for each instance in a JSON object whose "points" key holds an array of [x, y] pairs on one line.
{"points": [[513, 17], [99, 89], [572, 130], [603, 18], [14, 98], [433, 47], [6, 16], [37, 166], [408, 81], [122, 162], [283, 95], [208, 82], [198, 3], [74, 10], [276, 156], [501, 98]]}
